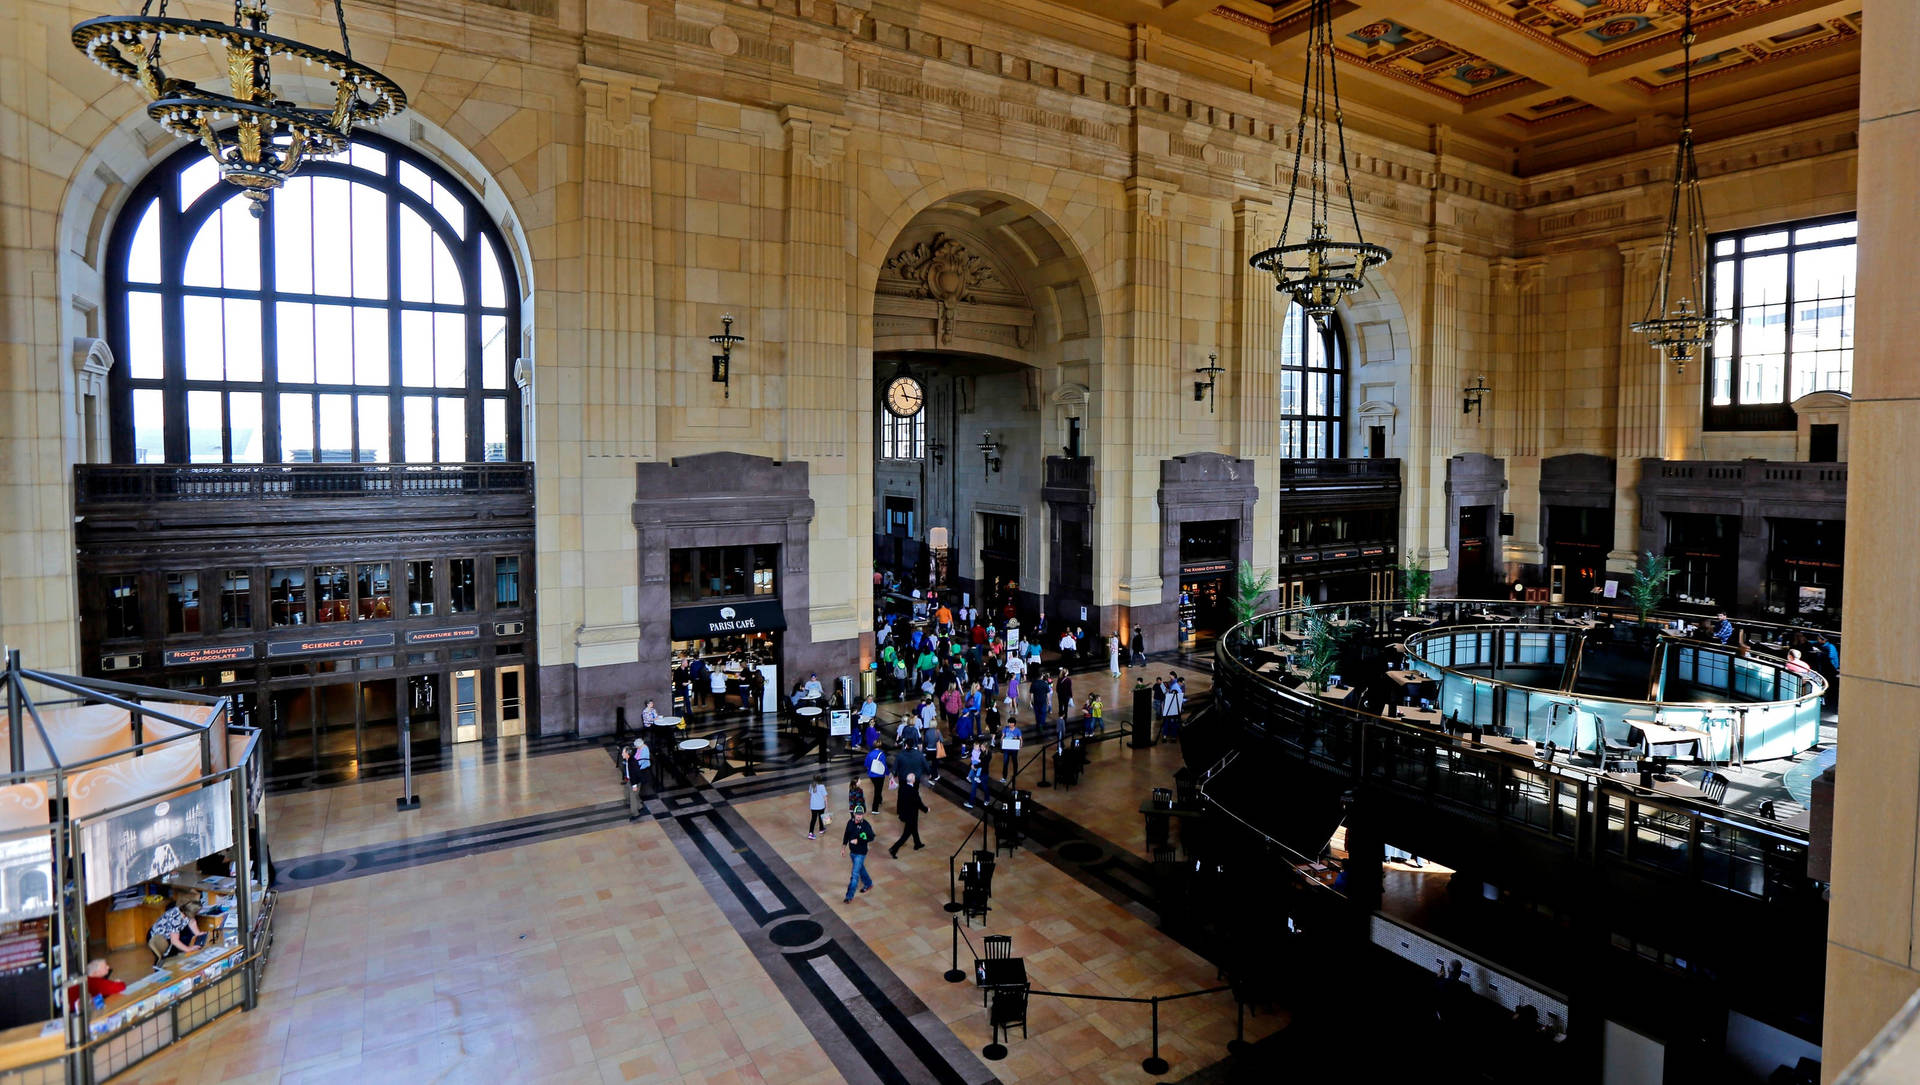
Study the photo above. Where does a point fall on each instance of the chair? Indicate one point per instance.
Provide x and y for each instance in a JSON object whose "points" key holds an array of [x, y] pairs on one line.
{"points": [[1714, 787], [999, 947], [1159, 830], [983, 869], [1008, 1008], [973, 903]]}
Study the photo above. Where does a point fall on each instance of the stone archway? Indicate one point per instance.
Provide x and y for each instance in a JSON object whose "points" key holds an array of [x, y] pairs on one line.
{"points": [[985, 304]]}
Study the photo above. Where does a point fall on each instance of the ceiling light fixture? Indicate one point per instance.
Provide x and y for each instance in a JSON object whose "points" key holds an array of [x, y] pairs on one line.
{"points": [[1320, 270], [1678, 329], [258, 138]]}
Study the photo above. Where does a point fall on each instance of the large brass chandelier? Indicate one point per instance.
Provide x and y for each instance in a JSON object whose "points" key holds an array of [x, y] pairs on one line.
{"points": [[258, 138], [1318, 271], [1679, 329]]}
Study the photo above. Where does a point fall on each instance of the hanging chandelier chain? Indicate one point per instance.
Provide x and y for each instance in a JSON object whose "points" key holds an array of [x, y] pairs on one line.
{"points": [[340, 16], [1318, 270]]}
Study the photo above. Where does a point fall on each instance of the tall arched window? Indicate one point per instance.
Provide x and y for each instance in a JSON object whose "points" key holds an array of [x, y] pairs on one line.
{"points": [[369, 316], [1313, 388]]}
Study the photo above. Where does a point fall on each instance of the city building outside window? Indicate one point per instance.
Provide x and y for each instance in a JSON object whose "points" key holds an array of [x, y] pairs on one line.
{"points": [[1789, 289]]}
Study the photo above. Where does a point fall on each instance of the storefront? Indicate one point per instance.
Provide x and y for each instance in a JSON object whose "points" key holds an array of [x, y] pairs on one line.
{"points": [[1577, 541], [1804, 565], [333, 641], [1704, 549], [738, 640], [999, 560], [1206, 532]]}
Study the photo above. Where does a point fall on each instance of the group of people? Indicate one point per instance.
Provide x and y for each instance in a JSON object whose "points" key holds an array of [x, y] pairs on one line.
{"points": [[702, 681], [1809, 651], [1169, 702]]}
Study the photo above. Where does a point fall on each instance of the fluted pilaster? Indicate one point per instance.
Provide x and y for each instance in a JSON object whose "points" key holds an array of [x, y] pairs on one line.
{"points": [[618, 375]]}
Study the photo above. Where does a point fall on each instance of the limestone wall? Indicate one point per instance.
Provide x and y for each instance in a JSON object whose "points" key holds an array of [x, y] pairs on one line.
{"points": [[656, 165]]}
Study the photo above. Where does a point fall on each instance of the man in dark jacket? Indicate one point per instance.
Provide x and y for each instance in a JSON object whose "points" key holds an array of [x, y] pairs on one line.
{"points": [[854, 842], [1138, 647], [909, 806], [1042, 695]]}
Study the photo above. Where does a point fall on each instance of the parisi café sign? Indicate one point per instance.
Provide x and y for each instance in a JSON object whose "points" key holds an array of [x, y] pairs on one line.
{"points": [[762, 616]]}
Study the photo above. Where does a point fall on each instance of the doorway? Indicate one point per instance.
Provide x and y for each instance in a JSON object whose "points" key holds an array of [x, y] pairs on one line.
{"points": [[999, 560], [509, 701], [464, 695], [1476, 553]]}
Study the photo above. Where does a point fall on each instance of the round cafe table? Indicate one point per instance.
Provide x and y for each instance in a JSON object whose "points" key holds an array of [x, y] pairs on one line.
{"points": [[690, 751], [809, 714]]}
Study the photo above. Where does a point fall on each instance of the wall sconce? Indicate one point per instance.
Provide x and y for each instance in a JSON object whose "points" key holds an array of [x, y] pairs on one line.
{"points": [[1211, 371], [989, 455], [937, 450], [723, 361], [1475, 393]]}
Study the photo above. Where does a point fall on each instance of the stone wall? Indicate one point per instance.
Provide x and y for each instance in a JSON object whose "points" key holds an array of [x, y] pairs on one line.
{"points": [[658, 164]]}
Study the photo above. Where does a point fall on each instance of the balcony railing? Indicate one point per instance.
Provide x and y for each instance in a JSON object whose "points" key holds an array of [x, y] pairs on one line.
{"points": [[117, 483], [1339, 472], [1722, 474]]}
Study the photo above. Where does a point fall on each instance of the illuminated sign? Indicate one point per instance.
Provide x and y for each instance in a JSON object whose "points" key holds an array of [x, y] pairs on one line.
{"points": [[316, 645], [435, 636], [212, 653]]}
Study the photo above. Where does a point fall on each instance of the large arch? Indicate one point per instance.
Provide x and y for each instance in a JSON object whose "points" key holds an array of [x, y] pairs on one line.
{"points": [[989, 303]]}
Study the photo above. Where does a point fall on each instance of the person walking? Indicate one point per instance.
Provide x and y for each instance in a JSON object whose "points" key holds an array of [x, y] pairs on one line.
{"points": [[909, 805], [816, 805], [876, 772], [1042, 700], [1113, 654], [853, 842], [1063, 696], [1009, 748], [1095, 719], [1139, 648], [976, 774]]}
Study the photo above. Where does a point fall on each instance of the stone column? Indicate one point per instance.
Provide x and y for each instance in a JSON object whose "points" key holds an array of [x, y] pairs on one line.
{"points": [[1150, 407], [1873, 935], [1518, 283], [1442, 394], [822, 378], [1253, 372], [617, 365], [1640, 416]]}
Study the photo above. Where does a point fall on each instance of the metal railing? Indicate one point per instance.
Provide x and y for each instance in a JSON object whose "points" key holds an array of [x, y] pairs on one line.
{"points": [[103, 483], [1576, 807]]}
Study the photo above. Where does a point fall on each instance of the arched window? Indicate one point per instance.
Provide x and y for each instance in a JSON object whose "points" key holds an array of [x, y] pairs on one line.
{"points": [[1313, 388], [369, 316]]}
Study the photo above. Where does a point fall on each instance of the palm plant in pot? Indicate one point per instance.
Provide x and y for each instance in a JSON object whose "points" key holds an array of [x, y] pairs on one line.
{"points": [[1319, 653], [1647, 587], [1415, 582]]}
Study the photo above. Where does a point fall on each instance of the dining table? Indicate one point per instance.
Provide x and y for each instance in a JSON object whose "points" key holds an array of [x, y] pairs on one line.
{"points": [[1670, 785]]}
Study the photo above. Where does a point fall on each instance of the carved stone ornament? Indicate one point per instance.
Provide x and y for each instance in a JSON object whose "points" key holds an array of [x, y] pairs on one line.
{"points": [[945, 271]]}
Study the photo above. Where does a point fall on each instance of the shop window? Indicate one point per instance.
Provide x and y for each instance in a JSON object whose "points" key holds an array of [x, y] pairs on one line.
{"points": [[369, 315], [723, 572], [420, 587], [1789, 290], [123, 607], [460, 586], [461, 654], [332, 593], [375, 592], [289, 587], [236, 599], [514, 649], [506, 582], [417, 659], [183, 603]]}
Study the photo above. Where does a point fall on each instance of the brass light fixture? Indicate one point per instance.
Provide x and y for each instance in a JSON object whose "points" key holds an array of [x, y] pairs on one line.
{"points": [[1678, 329], [1203, 389], [723, 361], [258, 138], [1320, 270]]}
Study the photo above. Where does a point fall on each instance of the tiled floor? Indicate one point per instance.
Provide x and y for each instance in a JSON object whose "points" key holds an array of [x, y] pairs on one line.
{"points": [[658, 950]]}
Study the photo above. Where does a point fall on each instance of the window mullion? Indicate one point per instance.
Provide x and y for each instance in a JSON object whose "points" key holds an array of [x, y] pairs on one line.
{"points": [[269, 343]]}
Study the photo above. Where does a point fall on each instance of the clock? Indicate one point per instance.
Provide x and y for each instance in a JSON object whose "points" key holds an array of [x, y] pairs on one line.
{"points": [[905, 397]]}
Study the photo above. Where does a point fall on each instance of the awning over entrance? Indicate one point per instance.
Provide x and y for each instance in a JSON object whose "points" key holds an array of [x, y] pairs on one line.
{"points": [[717, 621]]}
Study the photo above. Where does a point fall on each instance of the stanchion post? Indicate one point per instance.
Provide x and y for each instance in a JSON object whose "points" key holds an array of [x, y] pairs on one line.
{"points": [[954, 975], [407, 800], [1238, 1045], [1154, 1064], [953, 902]]}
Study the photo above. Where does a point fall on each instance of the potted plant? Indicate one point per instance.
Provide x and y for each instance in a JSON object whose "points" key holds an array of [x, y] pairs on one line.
{"points": [[1648, 584], [1249, 590], [1415, 582], [1319, 654]]}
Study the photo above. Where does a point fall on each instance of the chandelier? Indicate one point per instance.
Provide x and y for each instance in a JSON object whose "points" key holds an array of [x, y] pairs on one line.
{"points": [[1318, 271], [1678, 329], [258, 138]]}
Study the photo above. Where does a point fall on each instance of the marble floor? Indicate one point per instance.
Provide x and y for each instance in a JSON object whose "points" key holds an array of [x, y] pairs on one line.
{"points": [[520, 925]]}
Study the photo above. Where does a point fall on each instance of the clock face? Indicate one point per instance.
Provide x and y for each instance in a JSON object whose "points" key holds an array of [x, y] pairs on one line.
{"points": [[904, 397]]}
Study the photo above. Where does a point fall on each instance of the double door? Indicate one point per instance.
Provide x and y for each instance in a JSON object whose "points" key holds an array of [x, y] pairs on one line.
{"points": [[334, 727], [505, 697]]}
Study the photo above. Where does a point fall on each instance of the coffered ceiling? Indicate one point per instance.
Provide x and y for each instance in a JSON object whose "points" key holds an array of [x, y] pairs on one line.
{"points": [[1536, 74]]}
